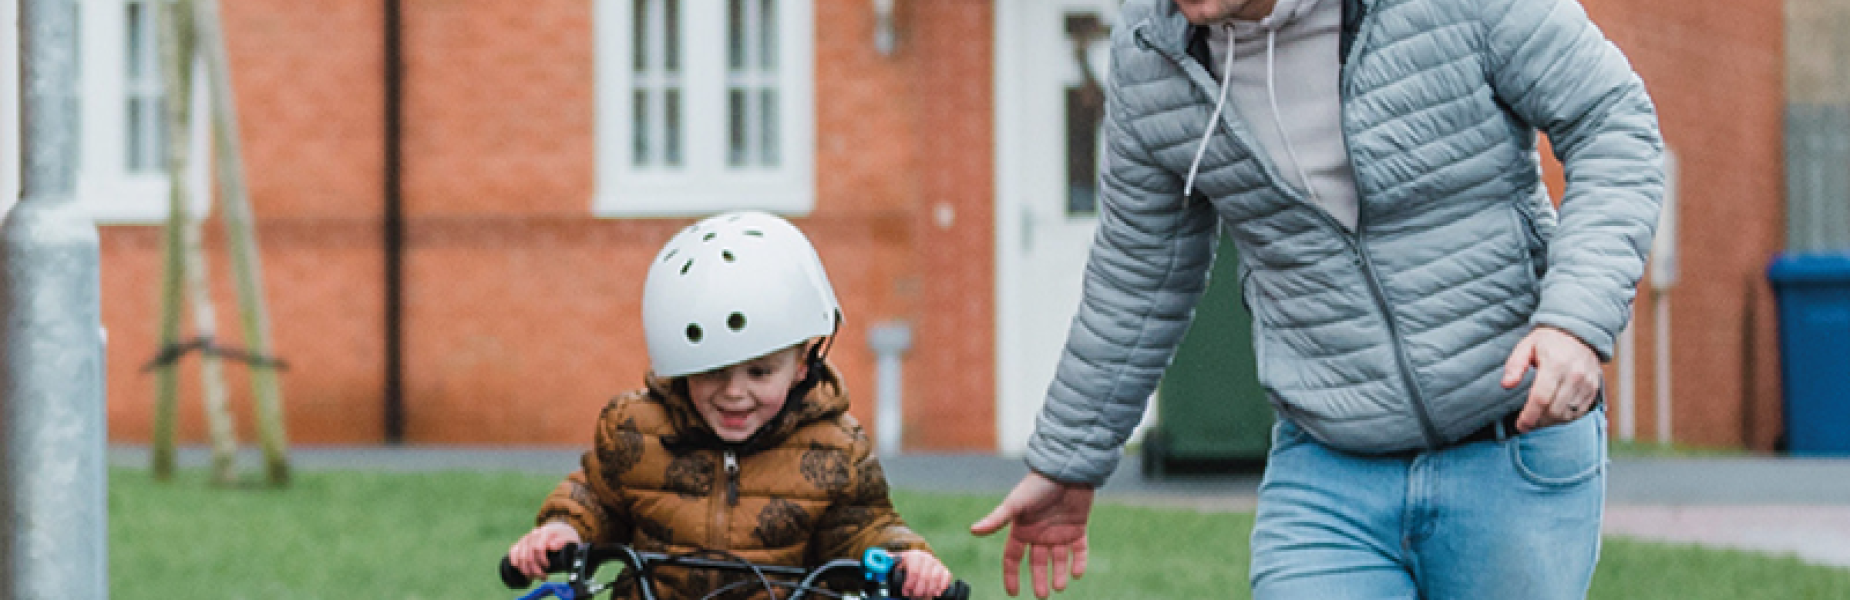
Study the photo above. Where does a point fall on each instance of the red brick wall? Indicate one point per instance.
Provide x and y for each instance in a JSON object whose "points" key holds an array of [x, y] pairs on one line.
{"points": [[947, 50], [1715, 71], [521, 313]]}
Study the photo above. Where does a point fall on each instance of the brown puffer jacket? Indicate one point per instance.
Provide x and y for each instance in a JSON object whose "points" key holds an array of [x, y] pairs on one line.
{"points": [[805, 490]]}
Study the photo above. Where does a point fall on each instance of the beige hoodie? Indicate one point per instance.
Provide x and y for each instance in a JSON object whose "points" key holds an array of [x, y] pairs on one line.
{"points": [[1284, 86]]}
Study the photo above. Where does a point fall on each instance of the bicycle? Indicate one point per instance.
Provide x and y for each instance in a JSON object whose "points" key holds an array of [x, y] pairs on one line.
{"points": [[875, 573]]}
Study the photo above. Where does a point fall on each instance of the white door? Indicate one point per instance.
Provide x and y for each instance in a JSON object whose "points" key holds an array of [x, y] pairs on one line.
{"points": [[1051, 57]]}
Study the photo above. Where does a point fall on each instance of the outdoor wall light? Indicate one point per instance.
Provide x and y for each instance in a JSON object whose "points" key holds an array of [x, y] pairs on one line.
{"points": [[883, 27]]}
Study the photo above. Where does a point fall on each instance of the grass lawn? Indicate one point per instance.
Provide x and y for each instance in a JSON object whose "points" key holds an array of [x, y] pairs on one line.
{"points": [[439, 535]]}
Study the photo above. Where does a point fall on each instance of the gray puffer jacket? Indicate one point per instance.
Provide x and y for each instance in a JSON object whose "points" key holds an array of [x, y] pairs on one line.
{"points": [[1391, 337]]}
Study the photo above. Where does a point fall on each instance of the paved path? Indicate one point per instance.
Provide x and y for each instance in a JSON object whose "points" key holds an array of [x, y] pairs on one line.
{"points": [[1796, 506]]}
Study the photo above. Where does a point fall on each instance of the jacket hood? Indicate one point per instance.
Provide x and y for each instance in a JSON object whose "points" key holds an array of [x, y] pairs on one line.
{"points": [[822, 399]]}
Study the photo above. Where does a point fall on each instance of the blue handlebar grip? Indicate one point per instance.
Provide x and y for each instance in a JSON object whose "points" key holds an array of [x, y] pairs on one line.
{"points": [[877, 563], [562, 591]]}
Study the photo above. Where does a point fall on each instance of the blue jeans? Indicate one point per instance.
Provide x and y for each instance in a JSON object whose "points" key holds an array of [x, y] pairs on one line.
{"points": [[1516, 518]]}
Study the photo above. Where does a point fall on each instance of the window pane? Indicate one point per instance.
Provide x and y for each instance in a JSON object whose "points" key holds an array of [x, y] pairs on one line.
{"points": [[735, 131], [639, 128], [135, 44], [671, 35], [145, 125], [671, 141], [639, 36], [767, 37], [735, 34], [132, 127], [767, 113], [1085, 110]]}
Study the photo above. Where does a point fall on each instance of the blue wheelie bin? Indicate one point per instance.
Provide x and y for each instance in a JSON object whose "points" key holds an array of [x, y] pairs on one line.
{"points": [[1813, 293]]}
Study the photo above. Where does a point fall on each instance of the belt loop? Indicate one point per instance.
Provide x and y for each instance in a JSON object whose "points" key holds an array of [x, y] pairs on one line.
{"points": [[1503, 432]]}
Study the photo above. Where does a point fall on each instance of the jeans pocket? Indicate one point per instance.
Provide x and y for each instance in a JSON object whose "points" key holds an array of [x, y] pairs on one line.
{"points": [[1562, 455]]}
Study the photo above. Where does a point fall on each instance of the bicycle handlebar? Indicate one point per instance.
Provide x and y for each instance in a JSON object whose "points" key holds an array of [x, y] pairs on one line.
{"points": [[581, 560]]}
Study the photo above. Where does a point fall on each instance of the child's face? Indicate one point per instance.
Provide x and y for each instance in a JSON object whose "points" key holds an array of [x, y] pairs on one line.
{"points": [[738, 399]]}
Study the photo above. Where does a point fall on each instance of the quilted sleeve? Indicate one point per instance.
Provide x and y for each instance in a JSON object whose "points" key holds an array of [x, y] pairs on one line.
{"points": [[574, 503], [1147, 267], [1554, 68], [588, 500]]}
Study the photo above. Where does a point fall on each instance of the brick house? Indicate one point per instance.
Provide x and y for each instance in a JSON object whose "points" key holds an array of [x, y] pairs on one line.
{"points": [[534, 155]]}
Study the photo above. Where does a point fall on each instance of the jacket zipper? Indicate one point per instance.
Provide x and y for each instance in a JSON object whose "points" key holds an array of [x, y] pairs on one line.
{"points": [[718, 520], [1416, 398], [732, 478]]}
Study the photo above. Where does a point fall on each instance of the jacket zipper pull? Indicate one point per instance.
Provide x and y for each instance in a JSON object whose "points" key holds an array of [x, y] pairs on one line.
{"points": [[732, 478]]}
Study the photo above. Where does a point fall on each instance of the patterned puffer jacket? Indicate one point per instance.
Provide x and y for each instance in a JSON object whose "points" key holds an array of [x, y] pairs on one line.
{"points": [[805, 490]]}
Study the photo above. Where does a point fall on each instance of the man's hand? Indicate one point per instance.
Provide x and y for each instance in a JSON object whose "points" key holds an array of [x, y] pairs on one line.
{"points": [[1567, 377], [1049, 524]]}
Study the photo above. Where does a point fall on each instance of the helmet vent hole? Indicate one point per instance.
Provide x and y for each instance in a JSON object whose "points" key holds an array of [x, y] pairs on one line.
{"points": [[735, 321], [709, 236], [754, 233], [686, 265], [669, 257], [726, 255], [694, 333]]}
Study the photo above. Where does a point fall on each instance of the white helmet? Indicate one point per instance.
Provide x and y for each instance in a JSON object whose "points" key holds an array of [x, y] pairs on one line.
{"points": [[731, 288]]}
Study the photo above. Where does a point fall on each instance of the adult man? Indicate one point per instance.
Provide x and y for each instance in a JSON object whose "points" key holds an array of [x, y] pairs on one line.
{"points": [[1427, 326]]}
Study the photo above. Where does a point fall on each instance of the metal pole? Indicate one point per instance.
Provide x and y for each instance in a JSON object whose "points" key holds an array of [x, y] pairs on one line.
{"points": [[394, 224], [55, 501], [889, 340], [9, 108]]}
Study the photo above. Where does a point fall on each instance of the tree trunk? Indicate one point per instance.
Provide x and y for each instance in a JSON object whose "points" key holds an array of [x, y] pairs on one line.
{"points": [[246, 261], [188, 263]]}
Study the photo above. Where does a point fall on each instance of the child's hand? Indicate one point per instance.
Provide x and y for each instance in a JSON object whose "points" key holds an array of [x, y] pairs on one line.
{"points": [[925, 576], [529, 554]]}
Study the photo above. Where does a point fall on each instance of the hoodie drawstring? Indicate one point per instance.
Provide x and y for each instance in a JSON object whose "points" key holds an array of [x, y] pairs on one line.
{"points": [[1278, 120], [1220, 102]]}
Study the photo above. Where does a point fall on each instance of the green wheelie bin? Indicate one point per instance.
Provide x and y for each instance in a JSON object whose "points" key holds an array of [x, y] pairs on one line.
{"points": [[1211, 414]]}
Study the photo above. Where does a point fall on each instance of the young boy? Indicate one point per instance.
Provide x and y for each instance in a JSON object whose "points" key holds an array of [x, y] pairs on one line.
{"points": [[741, 442]]}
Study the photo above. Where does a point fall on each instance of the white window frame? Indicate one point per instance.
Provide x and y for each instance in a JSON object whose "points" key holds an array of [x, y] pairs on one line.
{"points": [[105, 186], [703, 183]]}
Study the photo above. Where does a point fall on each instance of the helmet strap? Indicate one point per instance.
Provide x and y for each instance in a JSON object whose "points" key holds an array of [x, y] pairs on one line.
{"points": [[821, 350]]}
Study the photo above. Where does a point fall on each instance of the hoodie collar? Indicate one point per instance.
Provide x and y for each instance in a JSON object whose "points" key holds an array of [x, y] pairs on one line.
{"points": [[1167, 30]]}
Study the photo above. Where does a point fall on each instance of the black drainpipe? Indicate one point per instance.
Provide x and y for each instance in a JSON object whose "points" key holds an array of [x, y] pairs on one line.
{"points": [[394, 228]]}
